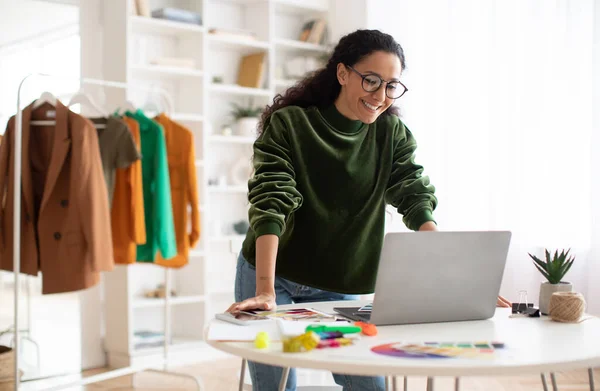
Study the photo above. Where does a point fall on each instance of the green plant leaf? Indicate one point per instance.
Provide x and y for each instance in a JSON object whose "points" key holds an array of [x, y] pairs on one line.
{"points": [[540, 264], [544, 273]]}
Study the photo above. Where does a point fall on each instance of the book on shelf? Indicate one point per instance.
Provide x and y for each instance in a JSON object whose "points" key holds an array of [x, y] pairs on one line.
{"points": [[177, 15], [148, 338], [251, 70], [232, 33]]}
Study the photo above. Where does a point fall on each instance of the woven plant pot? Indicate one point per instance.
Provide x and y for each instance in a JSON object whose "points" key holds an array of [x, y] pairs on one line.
{"points": [[7, 363]]}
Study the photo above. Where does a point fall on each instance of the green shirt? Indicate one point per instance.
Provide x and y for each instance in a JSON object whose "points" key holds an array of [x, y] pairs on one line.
{"points": [[158, 212], [321, 183]]}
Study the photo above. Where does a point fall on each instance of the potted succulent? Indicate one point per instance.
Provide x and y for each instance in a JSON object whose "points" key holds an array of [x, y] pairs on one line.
{"points": [[246, 119], [554, 270]]}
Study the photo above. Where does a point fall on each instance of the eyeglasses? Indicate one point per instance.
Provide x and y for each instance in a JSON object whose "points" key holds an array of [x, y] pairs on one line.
{"points": [[370, 83]]}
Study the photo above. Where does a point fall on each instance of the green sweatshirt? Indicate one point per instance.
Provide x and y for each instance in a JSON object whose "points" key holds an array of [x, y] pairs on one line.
{"points": [[158, 213], [321, 183]]}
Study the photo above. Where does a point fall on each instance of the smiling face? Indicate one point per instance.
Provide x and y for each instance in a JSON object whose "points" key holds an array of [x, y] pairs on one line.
{"points": [[356, 103]]}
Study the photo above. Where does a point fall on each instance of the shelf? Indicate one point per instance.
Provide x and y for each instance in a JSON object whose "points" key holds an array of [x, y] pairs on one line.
{"points": [[300, 7], [240, 44], [228, 189], [158, 70], [177, 344], [241, 2], [233, 139], [145, 302], [144, 25], [239, 90], [187, 117], [294, 45]]}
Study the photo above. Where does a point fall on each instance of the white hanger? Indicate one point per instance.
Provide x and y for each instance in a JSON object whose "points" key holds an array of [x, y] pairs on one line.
{"points": [[83, 98], [46, 97]]}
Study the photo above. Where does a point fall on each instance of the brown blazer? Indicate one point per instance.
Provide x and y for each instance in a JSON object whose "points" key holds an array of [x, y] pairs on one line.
{"points": [[65, 220]]}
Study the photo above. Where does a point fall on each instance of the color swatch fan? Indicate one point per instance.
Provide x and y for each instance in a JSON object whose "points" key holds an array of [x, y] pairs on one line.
{"points": [[440, 350]]}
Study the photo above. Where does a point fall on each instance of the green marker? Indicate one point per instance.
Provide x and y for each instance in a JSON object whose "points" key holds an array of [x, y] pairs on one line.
{"points": [[333, 329]]}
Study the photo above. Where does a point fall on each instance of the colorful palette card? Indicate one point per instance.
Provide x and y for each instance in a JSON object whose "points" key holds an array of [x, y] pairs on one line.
{"points": [[296, 314], [440, 350]]}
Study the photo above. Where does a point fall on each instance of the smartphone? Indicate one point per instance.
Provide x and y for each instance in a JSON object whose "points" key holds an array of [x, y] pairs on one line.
{"points": [[241, 318]]}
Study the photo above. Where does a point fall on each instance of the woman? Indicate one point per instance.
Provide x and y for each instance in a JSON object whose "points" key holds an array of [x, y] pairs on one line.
{"points": [[331, 153]]}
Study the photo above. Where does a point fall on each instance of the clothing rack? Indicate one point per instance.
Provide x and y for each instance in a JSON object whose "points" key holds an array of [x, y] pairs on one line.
{"points": [[132, 370]]}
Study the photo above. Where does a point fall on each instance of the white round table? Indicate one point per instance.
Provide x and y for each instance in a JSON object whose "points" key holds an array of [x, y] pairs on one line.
{"points": [[532, 345]]}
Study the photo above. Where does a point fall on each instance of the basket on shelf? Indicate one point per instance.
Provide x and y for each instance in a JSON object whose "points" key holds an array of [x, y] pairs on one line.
{"points": [[7, 363], [7, 367]]}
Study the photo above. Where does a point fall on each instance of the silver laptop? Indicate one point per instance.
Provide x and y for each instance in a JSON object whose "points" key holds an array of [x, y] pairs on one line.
{"points": [[426, 277]]}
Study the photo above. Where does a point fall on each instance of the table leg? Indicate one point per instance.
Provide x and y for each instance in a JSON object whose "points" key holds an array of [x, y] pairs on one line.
{"points": [[394, 383], [242, 375], [553, 379], [430, 384], [405, 383], [456, 383], [591, 376], [544, 384], [284, 379], [388, 383]]}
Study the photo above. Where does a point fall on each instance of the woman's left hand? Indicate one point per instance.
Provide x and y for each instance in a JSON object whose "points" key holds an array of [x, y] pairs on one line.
{"points": [[502, 302]]}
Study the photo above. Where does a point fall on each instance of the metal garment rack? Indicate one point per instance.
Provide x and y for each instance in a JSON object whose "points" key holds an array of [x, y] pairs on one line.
{"points": [[17, 250]]}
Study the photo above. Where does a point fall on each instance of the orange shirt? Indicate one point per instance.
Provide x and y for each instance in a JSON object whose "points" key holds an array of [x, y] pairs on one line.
{"points": [[184, 189], [127, 213]]}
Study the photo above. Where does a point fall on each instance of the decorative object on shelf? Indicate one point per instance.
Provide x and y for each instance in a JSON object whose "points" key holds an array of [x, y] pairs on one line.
{"points": [[314, 31], [246, 119], [159, 292], [143, 8], [251, 70], [177, 15], [217, 79], [213, 181], [226, 130], [241, 171], [241, 227], [567, 307], [553, 269]]}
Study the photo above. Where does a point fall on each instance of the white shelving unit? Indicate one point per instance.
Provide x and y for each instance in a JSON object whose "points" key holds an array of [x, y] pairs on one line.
{"points": [[132, 44]]}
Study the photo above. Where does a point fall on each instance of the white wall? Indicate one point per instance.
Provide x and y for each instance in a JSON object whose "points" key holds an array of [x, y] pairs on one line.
{"points": [[20, 19], [594, 272], [499, 91]]}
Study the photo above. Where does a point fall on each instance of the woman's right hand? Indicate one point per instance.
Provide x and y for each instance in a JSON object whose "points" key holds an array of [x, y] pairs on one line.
{"points": [[263, 301]]}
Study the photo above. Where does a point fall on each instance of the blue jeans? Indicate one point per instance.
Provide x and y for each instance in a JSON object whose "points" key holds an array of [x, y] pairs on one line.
{"points": [[267, 377]]}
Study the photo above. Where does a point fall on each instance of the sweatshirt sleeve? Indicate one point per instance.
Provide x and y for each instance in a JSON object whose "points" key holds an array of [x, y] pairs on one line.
{"points": [[408, 191], [272, 189]]}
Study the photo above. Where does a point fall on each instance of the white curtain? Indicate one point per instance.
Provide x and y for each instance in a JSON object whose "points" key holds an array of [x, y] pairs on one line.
{"points": [[500, 102]]}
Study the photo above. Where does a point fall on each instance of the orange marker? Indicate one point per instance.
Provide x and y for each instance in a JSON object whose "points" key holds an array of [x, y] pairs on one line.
{"points": [[367, 328]]}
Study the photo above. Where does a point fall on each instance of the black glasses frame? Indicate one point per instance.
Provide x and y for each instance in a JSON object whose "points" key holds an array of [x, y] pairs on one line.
{"points": [[382, 81]]}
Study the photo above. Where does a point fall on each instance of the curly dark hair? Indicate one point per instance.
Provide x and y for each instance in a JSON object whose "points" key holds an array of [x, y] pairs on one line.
{"points": [[321, 88]]}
